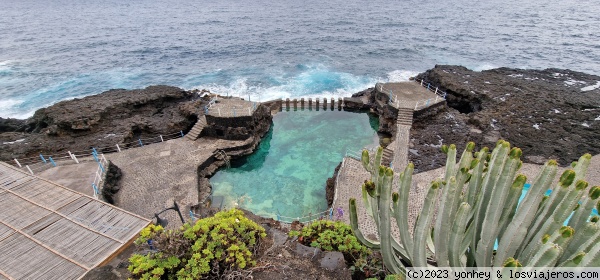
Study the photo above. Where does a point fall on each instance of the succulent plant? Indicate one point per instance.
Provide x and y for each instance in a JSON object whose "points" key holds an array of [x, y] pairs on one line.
{"points": [[479, 207]]}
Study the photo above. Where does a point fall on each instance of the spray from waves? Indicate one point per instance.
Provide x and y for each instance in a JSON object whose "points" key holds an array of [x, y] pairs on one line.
{"points": [[312, 82], [400, 76]]}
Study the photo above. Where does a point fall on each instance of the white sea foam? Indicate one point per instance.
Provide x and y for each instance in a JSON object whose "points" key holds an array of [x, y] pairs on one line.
{"points": [[585, 124], [592, 87], [483, 67], [536, 126], [400, 75], [16, 141], [571, 82], [597, 119], [315, 82]]}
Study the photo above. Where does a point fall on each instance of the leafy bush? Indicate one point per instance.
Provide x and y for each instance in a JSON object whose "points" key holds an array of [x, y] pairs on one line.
{"points": [[211, 247], [338, 236], [332, 236]]}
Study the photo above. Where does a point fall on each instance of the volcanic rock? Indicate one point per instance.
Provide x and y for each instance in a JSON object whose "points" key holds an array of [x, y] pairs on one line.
{"points": [[549, 114], [113, 117]]}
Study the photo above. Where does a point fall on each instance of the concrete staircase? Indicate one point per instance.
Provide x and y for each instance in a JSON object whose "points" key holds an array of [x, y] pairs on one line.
{"points": [[387, 157], [197, 129], [405, 116]]}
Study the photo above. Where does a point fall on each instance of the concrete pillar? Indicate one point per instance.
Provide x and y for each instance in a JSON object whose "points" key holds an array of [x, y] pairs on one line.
{"points": [[317, 103], [332, 103], [302, 103], [295, 104], [310, 103], [324, 103], [287, 104], [339, 103]]}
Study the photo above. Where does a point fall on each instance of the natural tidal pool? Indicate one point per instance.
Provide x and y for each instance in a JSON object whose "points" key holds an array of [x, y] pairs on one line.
{"points": [[286, 175]]}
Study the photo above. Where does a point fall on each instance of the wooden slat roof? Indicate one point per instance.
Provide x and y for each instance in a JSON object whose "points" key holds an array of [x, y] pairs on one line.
{"points": [[48, 231]]}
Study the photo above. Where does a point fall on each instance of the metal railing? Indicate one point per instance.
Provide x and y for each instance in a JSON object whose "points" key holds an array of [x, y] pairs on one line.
{"points": [[392, 100], [429, 87], [43, 162]]}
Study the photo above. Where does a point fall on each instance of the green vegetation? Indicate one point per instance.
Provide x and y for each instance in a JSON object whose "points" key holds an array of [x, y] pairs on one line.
{"points": [[212, 246], [331, 236], [337, 236], [478, 205]]}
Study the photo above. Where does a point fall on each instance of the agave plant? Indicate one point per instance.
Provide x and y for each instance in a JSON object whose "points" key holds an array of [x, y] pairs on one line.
{"points": [[479, 206]]}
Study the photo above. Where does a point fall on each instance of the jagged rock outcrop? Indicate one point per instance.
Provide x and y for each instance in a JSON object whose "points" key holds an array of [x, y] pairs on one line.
{"points": [[377, 102], [113, 117], [551, 113]]}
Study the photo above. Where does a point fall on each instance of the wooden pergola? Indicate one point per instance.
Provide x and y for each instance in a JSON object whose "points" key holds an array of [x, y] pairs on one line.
{"points": [[48, 231]]}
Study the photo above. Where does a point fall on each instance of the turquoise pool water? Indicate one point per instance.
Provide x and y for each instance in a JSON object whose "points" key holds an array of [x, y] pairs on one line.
{"points": [[286, 175], [548, 192]]}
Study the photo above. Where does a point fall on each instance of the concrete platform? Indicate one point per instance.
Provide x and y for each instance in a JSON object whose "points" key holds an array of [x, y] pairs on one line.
{"points": [[409, 95], [78, 177], [232, 107]]}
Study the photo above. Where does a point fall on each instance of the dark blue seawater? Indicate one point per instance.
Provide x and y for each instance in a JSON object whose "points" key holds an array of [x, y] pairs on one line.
{"points": [[51, 50]]}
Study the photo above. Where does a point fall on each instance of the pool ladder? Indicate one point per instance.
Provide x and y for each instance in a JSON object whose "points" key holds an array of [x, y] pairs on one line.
{"points": [[222, 155]]}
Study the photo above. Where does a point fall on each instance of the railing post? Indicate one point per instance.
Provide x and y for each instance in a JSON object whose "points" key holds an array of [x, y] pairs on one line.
{"points": [[118, 148], [75, 158], [161, 138], [102, 168], [181, 131], [192, 215], [52, 161], [95, 190], [421, 82], [233, 112], [29, 169], [19, 164], [43, 159], [436, 89], [140, 141]]}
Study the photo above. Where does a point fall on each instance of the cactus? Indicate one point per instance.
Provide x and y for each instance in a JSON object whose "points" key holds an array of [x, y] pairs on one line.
{"points": [[478, 206]]}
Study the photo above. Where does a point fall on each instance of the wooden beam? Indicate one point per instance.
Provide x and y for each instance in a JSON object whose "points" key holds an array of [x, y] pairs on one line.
{"points": [[6, 275], [119, 250]]}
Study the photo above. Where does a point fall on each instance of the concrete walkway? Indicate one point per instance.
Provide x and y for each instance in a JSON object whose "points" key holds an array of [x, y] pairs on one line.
{"points": [[156, 175]]}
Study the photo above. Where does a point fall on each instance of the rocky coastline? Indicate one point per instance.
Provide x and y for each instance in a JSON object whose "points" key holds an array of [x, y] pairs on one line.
{"points": [[550, 113]]}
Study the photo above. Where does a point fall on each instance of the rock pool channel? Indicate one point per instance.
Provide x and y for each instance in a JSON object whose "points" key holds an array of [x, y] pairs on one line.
{"points": [[286, 175]]}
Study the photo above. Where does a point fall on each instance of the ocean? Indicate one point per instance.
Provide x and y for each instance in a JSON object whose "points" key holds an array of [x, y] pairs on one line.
{"points": [[54, 50]]}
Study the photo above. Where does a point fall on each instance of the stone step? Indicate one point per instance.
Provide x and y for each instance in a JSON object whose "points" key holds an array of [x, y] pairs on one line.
{"points": [[388, 156]]}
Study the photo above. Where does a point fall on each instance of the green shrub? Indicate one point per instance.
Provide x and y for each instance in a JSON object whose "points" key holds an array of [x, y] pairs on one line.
{"points": [[338, 236], [332, 236], [211, 246]]}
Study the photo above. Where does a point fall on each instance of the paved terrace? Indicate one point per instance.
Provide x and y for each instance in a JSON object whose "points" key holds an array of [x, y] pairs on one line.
{"points": [[409, 94], [231, 107], [156, 175]]}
